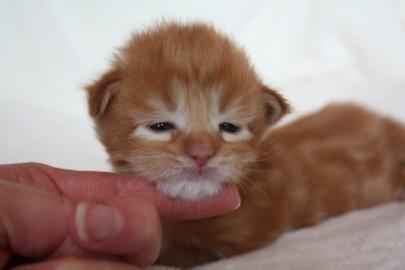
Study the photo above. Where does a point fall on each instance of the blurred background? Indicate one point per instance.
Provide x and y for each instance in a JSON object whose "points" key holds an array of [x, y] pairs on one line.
{"points": [[315, 52]]}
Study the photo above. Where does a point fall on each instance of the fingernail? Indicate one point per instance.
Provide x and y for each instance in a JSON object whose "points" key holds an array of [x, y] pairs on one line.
{"points": [[96, 222], [238, 204]]}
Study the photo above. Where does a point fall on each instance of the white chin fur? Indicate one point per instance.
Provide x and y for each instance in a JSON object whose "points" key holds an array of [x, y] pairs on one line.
{"points": [[189, 189]]}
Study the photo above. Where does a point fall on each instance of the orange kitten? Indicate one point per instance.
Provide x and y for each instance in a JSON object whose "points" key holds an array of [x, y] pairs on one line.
{"points": [[183, 107]]}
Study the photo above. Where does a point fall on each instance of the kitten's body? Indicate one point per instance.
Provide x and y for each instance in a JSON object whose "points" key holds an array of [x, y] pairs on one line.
{"points": [[339, 159], [183, 108]]}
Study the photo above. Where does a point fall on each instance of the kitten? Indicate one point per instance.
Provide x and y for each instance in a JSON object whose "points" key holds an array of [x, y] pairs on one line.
{"points": [[183, 107]]}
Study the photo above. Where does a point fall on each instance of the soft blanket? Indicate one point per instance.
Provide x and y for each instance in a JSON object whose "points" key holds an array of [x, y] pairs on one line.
{"points": [[372, 239]]}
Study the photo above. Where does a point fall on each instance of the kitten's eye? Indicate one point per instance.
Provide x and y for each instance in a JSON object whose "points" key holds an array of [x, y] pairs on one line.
{"points": [[162, 126], [228, 127]]}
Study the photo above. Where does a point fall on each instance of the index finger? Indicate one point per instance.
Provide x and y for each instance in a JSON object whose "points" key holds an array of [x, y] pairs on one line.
{"points": [[87, 185]]}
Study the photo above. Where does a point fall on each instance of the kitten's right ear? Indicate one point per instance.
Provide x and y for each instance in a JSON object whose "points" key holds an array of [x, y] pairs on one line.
{"points": [[101, 93], [276, 105]]}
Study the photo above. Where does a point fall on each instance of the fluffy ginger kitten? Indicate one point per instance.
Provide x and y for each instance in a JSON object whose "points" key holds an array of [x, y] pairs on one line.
{"points": [[182, 107]]}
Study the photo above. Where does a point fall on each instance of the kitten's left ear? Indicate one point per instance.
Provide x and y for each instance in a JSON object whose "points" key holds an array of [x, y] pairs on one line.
{"points": [[275, 104]]}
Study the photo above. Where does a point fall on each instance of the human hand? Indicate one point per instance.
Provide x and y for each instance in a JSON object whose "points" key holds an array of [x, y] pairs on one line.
{"points": [[88, 220]]}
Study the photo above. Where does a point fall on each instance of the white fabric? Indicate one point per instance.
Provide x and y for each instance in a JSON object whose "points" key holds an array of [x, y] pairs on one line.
{"points": [[371, 239], [315, 52]]}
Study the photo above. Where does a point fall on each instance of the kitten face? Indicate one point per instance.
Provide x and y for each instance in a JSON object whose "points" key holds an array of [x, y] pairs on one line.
{"points": [[190, 144], [183, 108]]}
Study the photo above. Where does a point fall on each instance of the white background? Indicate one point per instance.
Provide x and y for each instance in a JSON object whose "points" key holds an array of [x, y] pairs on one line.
{"points": [[314, 52]]}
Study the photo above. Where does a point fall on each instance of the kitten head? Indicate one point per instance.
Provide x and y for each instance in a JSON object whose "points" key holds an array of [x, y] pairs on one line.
{"points": [[183, 107]]}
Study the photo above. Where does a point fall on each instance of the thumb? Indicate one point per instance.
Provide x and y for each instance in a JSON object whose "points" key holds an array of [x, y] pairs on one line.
{"points": [[127, 227]]}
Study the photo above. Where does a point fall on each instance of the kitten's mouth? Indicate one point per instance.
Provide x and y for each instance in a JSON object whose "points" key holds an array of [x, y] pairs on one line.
{"points": [[190, 183], [199, 174]]}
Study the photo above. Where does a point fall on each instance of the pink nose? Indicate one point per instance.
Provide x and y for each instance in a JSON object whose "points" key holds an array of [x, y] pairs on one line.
{"points": [[201, 161], [200, 147]]}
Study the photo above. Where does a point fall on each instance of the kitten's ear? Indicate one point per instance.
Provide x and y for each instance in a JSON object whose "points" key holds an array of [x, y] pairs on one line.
{"points": [[101, 93], [276, 105]]}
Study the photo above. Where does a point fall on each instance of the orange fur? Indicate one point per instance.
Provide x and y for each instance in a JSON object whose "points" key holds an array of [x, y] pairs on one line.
{"points": [[341, 158]]}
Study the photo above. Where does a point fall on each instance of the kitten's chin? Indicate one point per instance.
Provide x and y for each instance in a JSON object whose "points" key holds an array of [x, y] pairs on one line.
{"points": [[193, 184], [189, 189], [188, 183]]}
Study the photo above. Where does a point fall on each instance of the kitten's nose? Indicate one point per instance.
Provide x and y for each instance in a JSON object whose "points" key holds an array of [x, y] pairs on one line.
{"points": [[201, 147], [200, 152], [201, 161]]}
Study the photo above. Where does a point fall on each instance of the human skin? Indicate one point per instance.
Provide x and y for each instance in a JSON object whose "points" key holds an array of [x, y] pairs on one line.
{"points": [[68, 219]]}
